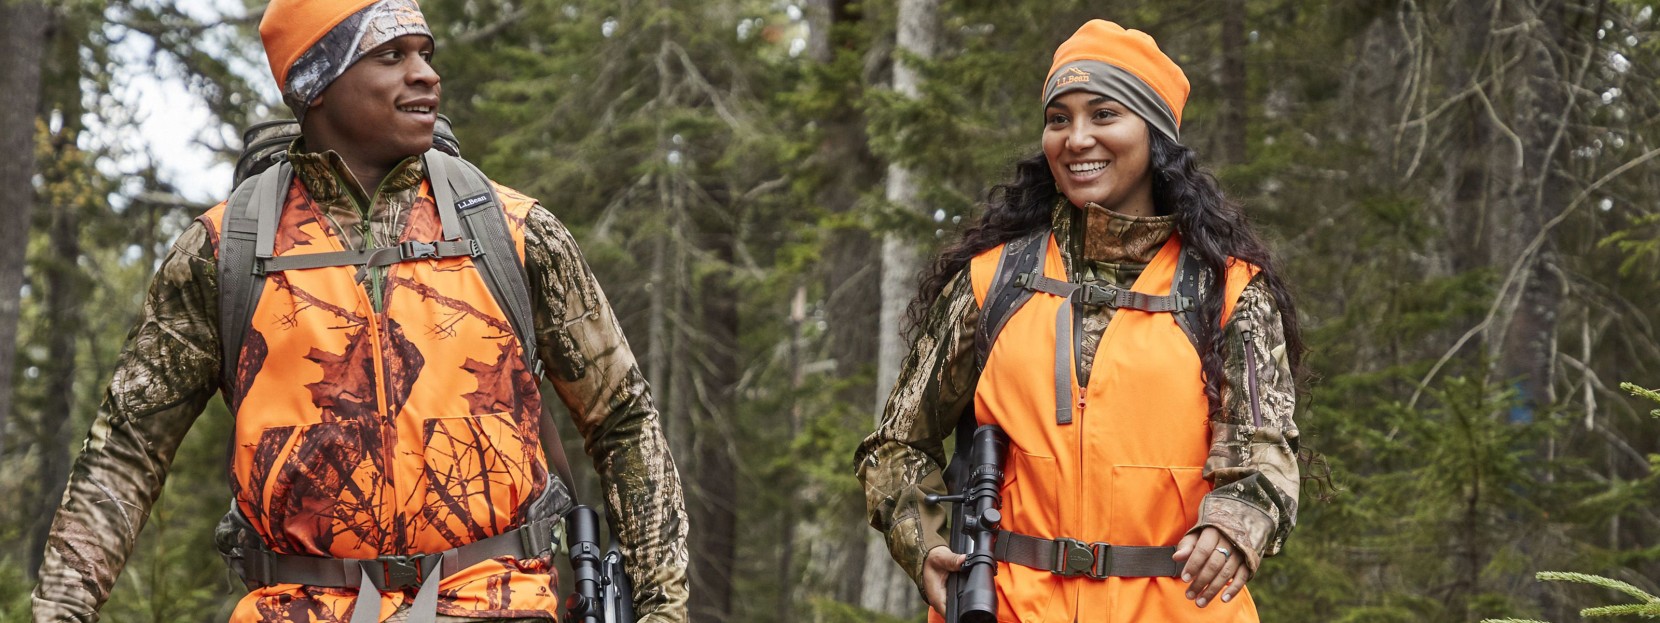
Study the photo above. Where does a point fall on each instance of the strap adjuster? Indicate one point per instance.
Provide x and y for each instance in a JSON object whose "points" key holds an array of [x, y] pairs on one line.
{"points": [[413, 250]]}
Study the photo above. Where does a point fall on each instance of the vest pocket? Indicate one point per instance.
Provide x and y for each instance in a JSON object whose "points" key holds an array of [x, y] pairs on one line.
{"points": [[1031, 499], [1153, 505], [313, 486], [479, 470]]}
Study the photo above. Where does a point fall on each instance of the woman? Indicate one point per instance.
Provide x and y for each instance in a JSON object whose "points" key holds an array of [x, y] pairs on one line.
{"points": [[1145, 386]]}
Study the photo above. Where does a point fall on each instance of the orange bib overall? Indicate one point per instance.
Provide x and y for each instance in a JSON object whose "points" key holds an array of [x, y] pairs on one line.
{"points": [[1125, 471]]}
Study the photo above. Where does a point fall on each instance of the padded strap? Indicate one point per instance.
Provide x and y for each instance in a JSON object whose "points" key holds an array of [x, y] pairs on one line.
{"points": [[1020, 256], [463, 191], [252, 209], [1186, 286], [467, 192], [1070, 557]]}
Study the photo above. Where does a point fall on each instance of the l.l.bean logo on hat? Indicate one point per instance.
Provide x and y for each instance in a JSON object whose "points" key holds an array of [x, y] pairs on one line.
{"points": [[1072, 75]]}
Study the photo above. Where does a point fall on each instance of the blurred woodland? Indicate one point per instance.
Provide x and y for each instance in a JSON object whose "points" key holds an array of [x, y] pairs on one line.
{"points": [[1464, 193]]}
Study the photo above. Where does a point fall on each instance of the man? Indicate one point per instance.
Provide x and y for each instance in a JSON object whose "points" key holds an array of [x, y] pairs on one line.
{"points": [[381, 412]]}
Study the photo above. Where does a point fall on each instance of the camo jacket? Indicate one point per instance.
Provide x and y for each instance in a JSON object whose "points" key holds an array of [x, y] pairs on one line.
{"points": [[1254, 469], [169, 369]]}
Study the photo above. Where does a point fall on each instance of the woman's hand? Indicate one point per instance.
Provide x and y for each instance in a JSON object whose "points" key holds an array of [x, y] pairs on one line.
{"points": [[1212, 564], [940, 562]]}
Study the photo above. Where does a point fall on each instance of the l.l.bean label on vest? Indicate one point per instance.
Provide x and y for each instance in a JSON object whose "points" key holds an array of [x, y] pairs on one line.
{"points": [[472, 202]]}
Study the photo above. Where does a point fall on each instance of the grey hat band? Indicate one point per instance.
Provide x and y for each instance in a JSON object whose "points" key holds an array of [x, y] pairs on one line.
{"points": [[1105, 79]]}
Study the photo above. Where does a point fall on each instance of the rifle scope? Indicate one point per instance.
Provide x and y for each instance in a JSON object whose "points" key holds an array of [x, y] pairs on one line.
{"points": [[584, 604], [971, 592]]}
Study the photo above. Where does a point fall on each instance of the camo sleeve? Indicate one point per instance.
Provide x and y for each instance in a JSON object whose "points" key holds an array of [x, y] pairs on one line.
{"points": [[164, 377], [904, 459], [591, 367], [1253, 450]]}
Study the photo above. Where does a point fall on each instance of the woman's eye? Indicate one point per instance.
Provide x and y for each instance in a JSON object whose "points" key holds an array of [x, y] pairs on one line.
{"points": [[1105, 113], [1057, 119]]}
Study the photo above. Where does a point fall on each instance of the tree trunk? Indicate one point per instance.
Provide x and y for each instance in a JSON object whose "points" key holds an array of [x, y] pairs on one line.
{"points": [[23, 46], [1232, 118], [844, 168], [64, 298], [887, 589], [714, 507]]}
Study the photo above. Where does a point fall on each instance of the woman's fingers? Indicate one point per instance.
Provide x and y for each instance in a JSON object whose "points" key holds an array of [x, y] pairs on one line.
{"points": [[1184, 548], [1199, 556], [1225, 565], [1240, 576]]}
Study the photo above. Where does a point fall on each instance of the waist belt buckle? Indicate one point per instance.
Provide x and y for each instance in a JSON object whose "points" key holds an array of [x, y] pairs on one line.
{"points": [[1073, 558], [401, 572]]}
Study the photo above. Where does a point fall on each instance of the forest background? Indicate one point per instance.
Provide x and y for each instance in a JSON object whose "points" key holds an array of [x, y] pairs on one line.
{"points": [[1463, 193]]}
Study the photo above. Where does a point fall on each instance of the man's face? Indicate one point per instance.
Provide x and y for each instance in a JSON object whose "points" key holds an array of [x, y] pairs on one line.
{"points": [[383, 108]]}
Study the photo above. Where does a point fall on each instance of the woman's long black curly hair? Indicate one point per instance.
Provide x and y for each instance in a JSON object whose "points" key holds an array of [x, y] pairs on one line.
{"points": [[1209, 223]]}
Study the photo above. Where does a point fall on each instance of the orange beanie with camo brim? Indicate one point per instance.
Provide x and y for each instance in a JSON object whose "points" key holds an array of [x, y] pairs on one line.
{"points": [[1125, 65], [309, 43]]}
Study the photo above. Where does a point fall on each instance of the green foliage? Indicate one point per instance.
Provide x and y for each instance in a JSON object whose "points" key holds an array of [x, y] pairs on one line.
{"points": [[1648, 606], [1643, 393]]}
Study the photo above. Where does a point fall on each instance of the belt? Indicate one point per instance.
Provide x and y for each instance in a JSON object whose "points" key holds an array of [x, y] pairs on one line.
{"points": [[1071, 557], [391, 573]]}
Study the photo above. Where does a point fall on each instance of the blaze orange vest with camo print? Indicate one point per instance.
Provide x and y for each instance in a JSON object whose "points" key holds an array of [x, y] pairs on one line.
{"points": [[1126, 470], [362, 434]]}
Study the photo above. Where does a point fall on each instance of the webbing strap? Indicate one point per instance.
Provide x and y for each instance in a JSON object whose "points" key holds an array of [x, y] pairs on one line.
{"points": [[1069, 557], [369, 258], [1063, 364], [372, 576], [1108, 296]]}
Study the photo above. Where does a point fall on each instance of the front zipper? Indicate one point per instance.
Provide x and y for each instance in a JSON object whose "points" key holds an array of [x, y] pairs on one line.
{"points": [[1251, 371]]}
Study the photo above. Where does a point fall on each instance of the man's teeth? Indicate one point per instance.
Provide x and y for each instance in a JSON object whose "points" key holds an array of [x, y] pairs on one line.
{"points": [[419, 109], [1086, 167]]}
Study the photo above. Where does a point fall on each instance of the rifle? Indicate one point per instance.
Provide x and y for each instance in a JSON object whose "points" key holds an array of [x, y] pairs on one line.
{"points": [[602, 592], [970, 594]]}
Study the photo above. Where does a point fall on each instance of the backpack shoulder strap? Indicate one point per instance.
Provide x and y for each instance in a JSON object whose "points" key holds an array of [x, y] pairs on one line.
{"points": [[468, 207], [1185, 286], [247, 234], [1021, 256]]}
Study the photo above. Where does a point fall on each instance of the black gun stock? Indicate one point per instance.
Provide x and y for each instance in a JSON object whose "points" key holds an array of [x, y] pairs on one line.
{"points": [[971, 595]]}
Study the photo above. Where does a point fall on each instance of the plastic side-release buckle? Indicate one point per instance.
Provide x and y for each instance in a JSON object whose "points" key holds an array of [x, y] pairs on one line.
{"points": [[1072, 557], [401, 572], [413, 250]]}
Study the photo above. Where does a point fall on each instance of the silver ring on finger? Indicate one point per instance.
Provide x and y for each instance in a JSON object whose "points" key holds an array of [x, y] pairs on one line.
{"points": [[1224, 551]]}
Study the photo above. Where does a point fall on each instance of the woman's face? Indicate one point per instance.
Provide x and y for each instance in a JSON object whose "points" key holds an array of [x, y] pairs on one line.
{"points": [[1098, 152]]}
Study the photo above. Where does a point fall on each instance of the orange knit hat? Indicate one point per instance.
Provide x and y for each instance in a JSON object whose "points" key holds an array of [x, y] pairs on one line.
{"points": [[1126, 65], [309, 43]]}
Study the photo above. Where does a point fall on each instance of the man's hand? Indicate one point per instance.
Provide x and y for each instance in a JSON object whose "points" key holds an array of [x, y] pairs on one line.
{"points": [[940, 562], [1212, 563]]}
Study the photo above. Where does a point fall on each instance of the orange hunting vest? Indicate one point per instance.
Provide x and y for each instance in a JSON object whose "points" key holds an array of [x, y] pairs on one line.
{"points": [[363, 434], [1125, 471]]}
